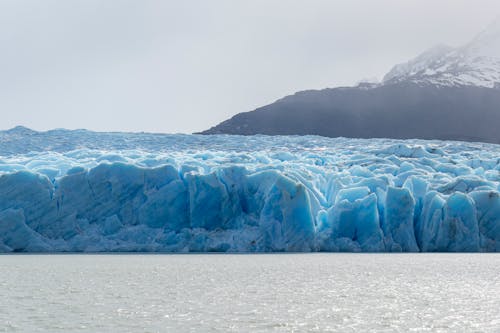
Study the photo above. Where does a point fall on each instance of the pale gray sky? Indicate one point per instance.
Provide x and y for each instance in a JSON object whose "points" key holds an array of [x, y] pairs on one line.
{"points": [[183, 66]]}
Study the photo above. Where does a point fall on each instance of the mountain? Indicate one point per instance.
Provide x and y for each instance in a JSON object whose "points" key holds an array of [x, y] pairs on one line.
{"points": [[445, 93], [476, 63]]}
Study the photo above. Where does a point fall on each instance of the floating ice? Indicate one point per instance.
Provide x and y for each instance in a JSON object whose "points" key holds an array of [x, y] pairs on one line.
{"points": [[83, 191]]}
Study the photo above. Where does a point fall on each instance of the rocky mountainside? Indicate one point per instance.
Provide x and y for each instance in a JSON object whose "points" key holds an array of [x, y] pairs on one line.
{"points": [[444, 93]]}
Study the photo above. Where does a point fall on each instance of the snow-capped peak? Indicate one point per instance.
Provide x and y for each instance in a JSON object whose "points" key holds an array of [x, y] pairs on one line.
{"points": [[476, 63]]}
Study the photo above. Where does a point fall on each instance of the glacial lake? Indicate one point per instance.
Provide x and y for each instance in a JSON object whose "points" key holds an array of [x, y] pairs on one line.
{"points": [[258, 293]]}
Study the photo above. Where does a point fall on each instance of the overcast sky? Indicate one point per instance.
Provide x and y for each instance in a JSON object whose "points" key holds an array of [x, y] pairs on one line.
{"points": [[184, 66]]}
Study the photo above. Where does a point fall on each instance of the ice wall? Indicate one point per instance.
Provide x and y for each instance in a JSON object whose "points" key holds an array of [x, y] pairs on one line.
{"points": [[84, 191]]}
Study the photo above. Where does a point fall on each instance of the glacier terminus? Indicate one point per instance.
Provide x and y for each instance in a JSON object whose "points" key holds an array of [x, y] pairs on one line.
{"points": [[82, 191]]}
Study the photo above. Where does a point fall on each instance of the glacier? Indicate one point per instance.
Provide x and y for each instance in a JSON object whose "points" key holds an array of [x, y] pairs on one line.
{"points": [[83, 191]]}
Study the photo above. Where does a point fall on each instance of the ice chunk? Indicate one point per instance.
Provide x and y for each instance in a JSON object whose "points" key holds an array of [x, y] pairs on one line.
{"points": [[15, 235], [398, 221]]}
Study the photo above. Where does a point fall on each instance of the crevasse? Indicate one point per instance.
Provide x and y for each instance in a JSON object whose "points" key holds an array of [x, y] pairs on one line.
{"points": [[84, 191]]}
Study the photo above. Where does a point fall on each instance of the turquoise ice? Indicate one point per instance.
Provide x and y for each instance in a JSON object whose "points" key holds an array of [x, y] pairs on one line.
{"points": [[84, 191]]}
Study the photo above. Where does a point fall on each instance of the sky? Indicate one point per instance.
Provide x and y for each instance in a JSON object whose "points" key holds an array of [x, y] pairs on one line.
{"points": [[184, 66]]}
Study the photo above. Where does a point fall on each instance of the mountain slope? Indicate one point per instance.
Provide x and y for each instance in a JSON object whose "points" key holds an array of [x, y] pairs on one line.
{"points": [[476, 63], [445, 93], [400, 111]]}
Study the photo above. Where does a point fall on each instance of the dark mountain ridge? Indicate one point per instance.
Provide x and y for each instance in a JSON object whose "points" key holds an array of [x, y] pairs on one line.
{"points": [[445, 93], [400, 111]]}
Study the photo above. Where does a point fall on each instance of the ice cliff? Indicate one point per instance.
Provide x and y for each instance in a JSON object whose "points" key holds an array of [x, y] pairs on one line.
{"points": [[84, 191]]}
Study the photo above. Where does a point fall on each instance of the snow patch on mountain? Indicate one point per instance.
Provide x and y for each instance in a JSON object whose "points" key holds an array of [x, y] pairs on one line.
{"points": [[476, 63]]}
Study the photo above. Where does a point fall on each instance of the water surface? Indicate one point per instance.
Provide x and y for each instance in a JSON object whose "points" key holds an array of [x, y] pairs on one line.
{"points": [[261, 293]]}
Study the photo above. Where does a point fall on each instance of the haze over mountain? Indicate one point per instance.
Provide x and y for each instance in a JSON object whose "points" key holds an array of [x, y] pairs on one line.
{"points": [[444, 93]]}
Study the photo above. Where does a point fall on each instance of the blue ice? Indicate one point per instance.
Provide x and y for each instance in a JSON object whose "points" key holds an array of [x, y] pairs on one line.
{"points": [[84, 191]]}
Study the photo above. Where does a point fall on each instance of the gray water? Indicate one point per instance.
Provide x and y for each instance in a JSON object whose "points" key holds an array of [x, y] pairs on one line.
{"points": [[262, 293]]}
